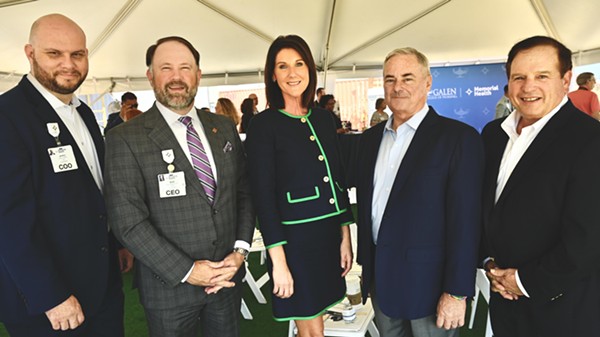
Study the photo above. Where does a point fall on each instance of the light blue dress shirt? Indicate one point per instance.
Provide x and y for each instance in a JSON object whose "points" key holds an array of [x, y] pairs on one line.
{"points": [[394, 145]]}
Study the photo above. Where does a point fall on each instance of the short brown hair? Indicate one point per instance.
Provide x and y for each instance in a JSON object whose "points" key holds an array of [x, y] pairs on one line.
{"points": [[152, 49], [583, 78]]}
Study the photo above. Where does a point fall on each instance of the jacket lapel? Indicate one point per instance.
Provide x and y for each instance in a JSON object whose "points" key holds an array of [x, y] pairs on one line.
{"points": [[540, 144], [161, 135], [372, 151], [47, 114], [424, 135]]}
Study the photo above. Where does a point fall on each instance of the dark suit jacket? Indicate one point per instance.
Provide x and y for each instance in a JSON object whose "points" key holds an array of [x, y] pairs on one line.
{"points": [[546, 224], [288, 176], [54, 240], [429, 235], [166, 235], [114, 119]]}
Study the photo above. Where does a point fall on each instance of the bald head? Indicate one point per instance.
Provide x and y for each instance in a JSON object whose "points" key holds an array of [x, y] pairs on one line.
{"points": [[57, 54], [54, 23]]}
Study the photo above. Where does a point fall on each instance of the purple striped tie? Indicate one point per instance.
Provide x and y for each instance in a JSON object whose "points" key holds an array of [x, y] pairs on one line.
{"points": [[200, 159]]}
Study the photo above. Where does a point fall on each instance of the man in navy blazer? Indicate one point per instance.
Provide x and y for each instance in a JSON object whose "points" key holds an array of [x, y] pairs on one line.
{"points": [[419, 196], [540, 207], [58, 264]]}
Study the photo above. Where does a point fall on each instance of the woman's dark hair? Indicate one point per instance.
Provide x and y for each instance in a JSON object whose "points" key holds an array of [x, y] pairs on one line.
{"points": [[274, 95], [324, 99], [247, 106]]}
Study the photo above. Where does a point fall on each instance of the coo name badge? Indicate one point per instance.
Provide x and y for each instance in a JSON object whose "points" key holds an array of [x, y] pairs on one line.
{"points": [[63, 158]]}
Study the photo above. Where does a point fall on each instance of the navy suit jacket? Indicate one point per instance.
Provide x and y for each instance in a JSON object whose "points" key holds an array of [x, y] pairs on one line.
{"points": [[54, 239], [546, 224], [429, 235]]}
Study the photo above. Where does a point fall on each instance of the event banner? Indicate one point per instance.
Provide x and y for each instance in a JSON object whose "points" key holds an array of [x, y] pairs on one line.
{"points": [[467, 93]]}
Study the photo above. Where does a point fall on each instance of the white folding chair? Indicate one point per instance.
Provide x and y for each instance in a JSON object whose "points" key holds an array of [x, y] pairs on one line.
{"points": [[482, 285]]}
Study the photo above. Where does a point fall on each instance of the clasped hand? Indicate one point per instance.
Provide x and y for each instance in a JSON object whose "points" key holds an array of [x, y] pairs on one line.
{"points": [[216, 275], [504, 281]]}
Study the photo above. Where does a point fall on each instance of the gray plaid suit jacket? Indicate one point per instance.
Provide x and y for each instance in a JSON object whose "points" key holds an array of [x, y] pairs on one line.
{"points": [[166, 235]]}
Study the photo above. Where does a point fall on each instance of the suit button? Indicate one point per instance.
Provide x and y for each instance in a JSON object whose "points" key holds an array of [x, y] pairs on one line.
{"points": [[312, 138], [101, 217], [104, 249], [326, 179], [215, 211], [321, 157], [332, 201]]}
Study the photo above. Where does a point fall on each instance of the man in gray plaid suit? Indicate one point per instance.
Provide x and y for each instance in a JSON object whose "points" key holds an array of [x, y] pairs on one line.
{"points": [[178, 198]]}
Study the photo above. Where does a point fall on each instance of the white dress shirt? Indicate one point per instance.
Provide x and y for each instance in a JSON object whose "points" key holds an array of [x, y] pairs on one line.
{"points": [[516, 146], [70, 117], [394, 145]]}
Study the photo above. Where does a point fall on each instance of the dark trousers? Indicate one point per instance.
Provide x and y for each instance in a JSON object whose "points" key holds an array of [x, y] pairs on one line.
{"points": [[218, 317]]}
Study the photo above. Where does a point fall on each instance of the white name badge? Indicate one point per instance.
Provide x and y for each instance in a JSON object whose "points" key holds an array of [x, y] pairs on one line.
{"points": [[63, 158], [171, 185]]}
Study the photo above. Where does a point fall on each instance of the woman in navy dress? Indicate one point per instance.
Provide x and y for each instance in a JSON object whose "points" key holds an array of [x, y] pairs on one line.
{"points": [[298, 190]]}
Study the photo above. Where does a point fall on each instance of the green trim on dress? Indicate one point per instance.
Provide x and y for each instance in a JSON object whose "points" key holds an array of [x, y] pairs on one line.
{"points": [[280, 243]]}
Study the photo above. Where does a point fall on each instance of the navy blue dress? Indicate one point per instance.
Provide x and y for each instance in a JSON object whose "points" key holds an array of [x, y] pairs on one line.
{"points": [[301, 202]]}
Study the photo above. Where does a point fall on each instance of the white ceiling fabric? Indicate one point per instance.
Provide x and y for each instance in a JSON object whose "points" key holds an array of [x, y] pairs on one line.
{"points": [[347, 37]]}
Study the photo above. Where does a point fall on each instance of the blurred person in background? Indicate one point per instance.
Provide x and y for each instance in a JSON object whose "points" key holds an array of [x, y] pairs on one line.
{"points": [[379, 115], [584, 98], [247, 108], [226, 108], [327, 102], [129, 109]]}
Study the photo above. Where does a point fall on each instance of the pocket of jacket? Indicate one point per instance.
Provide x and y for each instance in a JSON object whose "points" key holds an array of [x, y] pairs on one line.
{"points": [[303, 196]]}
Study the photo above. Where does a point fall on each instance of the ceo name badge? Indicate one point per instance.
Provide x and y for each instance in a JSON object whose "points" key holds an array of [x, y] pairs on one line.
{"points": [[171, 185], [63, 158]]}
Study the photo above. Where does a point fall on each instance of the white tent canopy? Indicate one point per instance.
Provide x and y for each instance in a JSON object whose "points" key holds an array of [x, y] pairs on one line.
{"points": [[349, 38]]}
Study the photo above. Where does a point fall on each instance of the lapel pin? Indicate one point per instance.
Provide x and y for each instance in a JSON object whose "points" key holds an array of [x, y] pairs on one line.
{"points": [[214, 130]]}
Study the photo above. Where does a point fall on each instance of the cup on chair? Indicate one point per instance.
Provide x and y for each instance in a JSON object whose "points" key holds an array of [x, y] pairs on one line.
{"points": [[353, 289]]}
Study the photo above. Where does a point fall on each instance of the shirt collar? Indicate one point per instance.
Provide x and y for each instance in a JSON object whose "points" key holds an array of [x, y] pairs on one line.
{"points": [[413, 122], [172, 117], [52, 100], [512, 121]]}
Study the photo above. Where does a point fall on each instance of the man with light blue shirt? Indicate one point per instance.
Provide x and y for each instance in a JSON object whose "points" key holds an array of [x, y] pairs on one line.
{"points": [[419, 197], [179, 199]]}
